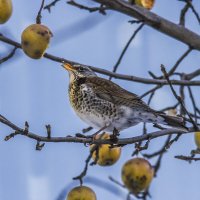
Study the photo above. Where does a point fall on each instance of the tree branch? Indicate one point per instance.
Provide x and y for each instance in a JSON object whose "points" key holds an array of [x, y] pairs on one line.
{"points": [[114, 75], [125, 49], [101, 8], [10, 55], [39, 16], [53, 3], [157, 22], [86, 140]]}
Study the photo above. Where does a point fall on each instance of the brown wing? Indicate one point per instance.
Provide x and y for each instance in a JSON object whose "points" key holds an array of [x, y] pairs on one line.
{"points": [[111, 92]]}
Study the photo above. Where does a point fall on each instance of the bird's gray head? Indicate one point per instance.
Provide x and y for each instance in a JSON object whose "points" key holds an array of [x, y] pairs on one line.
{"points": [[78, 71]]}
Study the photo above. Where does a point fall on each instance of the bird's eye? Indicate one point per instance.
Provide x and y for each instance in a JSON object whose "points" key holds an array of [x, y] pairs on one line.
{"points": [[81, 69]]}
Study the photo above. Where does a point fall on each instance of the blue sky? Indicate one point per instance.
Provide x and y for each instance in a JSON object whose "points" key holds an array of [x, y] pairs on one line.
{"points": [[36, 91]]}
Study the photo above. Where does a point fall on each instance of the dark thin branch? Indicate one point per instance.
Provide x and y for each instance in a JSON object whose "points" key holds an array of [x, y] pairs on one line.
{"points": [[120, 141], [175, 139], [10, 55], [116, 182], [150, 91], [53, 3], [162, 150], [193, 10], [108, 73], [39, 16], [177, 97], [182, 97], [125, 49], [183, 13], [84, 172], [157, 22], [95, 148], [192, 75], [187, 158], [173, 69], [48, 127], [101, 9], [193, 103]]}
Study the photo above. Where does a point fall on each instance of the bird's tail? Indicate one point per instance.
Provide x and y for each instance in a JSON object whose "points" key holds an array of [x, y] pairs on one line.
{"points": [[173, 121]]}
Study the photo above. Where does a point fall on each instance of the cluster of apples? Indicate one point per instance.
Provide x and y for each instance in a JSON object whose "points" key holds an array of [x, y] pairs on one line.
{"points": [[136, 173]]}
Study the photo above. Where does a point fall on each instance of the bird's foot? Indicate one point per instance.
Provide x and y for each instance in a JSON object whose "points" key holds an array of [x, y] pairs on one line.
{"points": [[114, 135], [92, 136]]}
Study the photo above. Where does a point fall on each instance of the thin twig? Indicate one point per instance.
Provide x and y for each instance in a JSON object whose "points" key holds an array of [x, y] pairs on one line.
{"points": [[177, 97], [53, 3], [39, 16], [187, 158], [95, 148], [183, 13], [101, 8], [116, 182], [173, 69], [10, 55], [157, 22], [162, 150], [193, 103], [150, 91], [125, 49], [194, 11]]}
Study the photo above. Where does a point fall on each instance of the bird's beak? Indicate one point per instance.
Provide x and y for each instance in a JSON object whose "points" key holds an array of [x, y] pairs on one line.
{"points": [[68, 67]]}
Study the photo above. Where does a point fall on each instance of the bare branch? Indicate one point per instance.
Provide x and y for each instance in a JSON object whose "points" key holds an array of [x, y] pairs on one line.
{"points": [[39, 16], [173, 69], [157, 22], [187, 158], [193, 10], [108, 73], [86, 140], [95, 148], [10, 55], [183, 13], [53, 3], [125, 49], [177, 97], [101, 8]]}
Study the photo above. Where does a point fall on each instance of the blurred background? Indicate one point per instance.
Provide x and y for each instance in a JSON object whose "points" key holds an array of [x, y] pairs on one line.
{"points": [[36, 91]]}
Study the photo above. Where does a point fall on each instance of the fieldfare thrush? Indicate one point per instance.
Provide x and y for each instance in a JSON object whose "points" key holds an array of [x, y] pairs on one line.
{"points": [[103, 104]]}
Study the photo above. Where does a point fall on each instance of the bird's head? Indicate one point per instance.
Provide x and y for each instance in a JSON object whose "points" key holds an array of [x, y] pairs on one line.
{"points": [[78, 71]]}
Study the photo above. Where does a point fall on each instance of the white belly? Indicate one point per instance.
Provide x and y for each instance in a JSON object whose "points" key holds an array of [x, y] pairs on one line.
{"points": [[98, 122]]}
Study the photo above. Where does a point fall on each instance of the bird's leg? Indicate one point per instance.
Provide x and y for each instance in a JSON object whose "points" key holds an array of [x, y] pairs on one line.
{"points": [[115, 134], [85, 130], [99, 131], [92, 135]]}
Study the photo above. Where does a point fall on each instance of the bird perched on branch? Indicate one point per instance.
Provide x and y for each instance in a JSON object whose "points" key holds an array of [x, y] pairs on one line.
{"points": [[103, 104]]}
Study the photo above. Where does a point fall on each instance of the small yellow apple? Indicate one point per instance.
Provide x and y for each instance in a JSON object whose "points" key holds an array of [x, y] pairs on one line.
{"points": [[137, 175], [5, 10], [197, 139], [81, 193], [148, 4], [106, 155], [35, 40]]}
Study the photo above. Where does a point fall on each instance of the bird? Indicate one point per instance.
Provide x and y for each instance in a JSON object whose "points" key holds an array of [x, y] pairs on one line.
{"points": [[103, 104]]}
